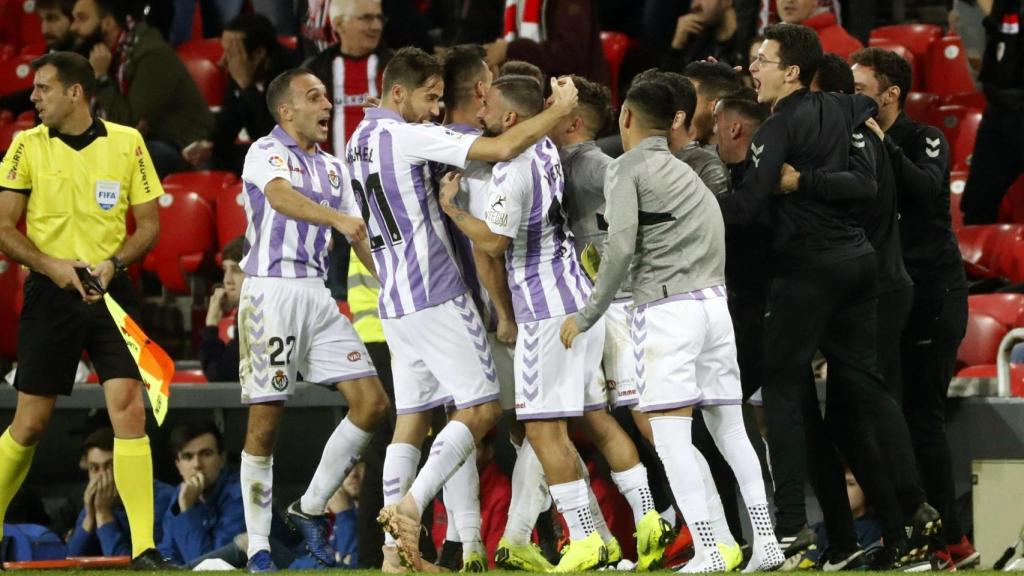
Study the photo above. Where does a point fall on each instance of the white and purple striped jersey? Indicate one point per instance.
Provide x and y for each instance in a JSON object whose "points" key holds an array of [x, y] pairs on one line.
{"points": [[526, 205], [390, 164], [276, 245]]}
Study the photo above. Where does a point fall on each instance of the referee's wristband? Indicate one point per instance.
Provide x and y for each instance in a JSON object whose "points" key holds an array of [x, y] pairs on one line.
{"points": [[119, 267]]}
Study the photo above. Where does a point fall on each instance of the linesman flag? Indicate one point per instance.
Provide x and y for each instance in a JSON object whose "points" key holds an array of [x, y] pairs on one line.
{"points": [[155, 366]]}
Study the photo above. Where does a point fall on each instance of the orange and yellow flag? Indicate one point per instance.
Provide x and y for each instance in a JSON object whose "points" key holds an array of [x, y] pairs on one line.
{"points": [[155, 366]]}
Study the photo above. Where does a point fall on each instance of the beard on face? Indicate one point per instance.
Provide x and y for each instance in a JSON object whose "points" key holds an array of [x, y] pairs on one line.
{"points": [[63, 43], [84, 45]]}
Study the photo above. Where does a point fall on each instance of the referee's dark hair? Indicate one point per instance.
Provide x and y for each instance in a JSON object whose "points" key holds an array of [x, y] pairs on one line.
{"points": [[411, 67], [653, 104], [279, 90], [72, 68], [798, 46], [834, 75], [683, 92], [523, 93], [890, 69], [463, 66]]}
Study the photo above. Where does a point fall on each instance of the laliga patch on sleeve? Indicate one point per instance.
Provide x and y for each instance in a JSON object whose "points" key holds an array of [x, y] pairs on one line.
{"points": [[276, 161]]}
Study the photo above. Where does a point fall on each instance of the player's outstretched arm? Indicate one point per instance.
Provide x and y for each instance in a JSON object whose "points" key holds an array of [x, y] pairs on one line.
{"points": [[476, 230], [290, 202], [513, 141]]}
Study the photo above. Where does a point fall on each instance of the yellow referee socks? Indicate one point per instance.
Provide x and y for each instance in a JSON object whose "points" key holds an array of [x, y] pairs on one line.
{"points": [[133, 476], [15, 461]]}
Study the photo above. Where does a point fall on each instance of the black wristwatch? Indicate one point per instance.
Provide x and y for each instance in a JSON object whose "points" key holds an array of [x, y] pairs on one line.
{"points": [[119, 267]]}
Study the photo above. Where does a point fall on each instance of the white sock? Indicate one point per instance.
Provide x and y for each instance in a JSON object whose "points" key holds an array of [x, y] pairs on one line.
{"points": [[340, 454], [450, 449], [674, 444], [726, 426], [257, 480], [633, 486], [595, 507], [400, 463], [716, 513], [462, 502], [529, 492], [572, 503]]}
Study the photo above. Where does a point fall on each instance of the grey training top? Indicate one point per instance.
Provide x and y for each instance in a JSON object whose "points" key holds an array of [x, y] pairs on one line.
{"points": [[708, 166], [664, 227]]}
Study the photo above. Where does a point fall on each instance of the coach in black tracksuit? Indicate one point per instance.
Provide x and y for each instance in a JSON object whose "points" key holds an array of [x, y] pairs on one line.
{"points": [[919, 156], [823, 292]]}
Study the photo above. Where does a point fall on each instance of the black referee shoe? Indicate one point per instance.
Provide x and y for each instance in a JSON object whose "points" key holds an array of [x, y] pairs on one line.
{"points": [[153, 560]]}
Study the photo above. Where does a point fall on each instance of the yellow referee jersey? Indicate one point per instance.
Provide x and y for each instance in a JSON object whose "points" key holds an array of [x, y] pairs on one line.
{"points": [[80, 187]]}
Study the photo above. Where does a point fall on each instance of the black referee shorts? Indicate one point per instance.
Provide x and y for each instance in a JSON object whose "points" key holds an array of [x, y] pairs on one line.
{"points": [[56, 325]]}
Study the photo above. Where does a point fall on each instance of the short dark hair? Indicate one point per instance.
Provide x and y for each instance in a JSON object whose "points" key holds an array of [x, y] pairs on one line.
{"points": [[744, 102], [120, 10], [258, 29], [101, 438], [72, 68], [715, 79], [522, 68], [654, 103], [890, 69], [411, 67], [595, 101], [834, 75], [233, 250], [798, 46], [64, 6], [185, 433], [523, 93], [463, 66], [683, 92], [279, 88]]}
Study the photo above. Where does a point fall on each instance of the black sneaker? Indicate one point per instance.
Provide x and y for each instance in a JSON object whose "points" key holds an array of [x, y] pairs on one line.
{"points": [[922, 535], [152, 559], [450, 556], [797, 542], [832, 560]]}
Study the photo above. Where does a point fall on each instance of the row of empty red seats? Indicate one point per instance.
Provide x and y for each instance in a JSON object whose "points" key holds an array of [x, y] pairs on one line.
{"points": [[20, 26], [990, 318]]}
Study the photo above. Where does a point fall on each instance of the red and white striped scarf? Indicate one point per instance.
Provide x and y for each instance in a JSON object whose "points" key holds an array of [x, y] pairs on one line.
{"points": [[523, 19]]}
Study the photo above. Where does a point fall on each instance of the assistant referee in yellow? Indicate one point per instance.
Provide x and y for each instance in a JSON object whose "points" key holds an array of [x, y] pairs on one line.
{"points": [[76, 177]]}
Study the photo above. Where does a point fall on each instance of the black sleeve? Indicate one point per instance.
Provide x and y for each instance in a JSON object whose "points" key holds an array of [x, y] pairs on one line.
{"points": [[768, 152], [219, 360], [860, 182], [921, 165]]}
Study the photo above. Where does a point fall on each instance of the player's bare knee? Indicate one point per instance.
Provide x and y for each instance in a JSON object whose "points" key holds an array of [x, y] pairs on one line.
{"points": [[27, 430], [368, 410]]}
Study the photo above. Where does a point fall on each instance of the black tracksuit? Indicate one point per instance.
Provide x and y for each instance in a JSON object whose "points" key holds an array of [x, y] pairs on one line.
{"points": [[938, 319], [999, 146], [823, 293]]}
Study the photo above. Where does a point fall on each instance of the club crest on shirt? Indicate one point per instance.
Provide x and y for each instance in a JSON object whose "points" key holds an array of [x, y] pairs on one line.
{"points": [[333, 178], [279, 381], [276, 161]]}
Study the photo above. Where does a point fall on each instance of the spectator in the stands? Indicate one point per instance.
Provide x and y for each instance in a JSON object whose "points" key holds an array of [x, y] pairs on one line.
{"points": [[140, 81], [565, 39], [353, 68], [102, 526], [55, 17], [253, 57], [214, 14], [869, 530], [218, 354], [207, 511], [823, 21], [713, 81], [710, 30]]}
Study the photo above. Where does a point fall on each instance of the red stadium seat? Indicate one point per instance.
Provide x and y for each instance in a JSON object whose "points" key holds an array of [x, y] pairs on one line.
{"points": [[231, 219], [920, 105], [950, 119], [962, 149], [981, 343], [12, 279], [1011, 209], [206, 183], [201, 48], [289, 42], [9, 130], [211, 79], [615, 45], [984, 249], [974, 99], [945, 69], [187, 241], [957, 182], [915, 37], [16, 74], [19, 23], [1006, 308]]}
